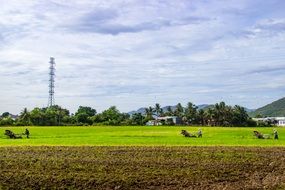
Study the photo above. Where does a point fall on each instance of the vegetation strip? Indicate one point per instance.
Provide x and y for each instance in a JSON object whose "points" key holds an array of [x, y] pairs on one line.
{"points": [[219, 114], [140, 136]]}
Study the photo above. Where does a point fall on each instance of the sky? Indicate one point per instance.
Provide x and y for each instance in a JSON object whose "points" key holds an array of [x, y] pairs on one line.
{"points": [[134, 53]]}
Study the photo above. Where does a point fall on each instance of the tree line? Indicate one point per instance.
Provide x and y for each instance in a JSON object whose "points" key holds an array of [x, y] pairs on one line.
{"points": [[219, 114]]}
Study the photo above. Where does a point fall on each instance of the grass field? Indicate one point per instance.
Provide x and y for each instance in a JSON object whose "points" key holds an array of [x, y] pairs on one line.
{"points": [[142, 168], [141, 158], [140, 136]]}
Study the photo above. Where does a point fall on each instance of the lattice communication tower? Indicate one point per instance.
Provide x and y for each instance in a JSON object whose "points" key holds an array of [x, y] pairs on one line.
{"points": [[51, 82]]}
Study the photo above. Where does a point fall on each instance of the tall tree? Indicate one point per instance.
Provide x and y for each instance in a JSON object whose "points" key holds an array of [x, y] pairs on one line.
{"points": [[210, 117], [84, 114], [240, 116], [158, 110], [112, 116], [37, 116], [169, 111], [87, 110], [25, 117], [191, 113], [201, 117], [149, 112], [179, 111], [5, 114], [221, 112], [137, 119]]}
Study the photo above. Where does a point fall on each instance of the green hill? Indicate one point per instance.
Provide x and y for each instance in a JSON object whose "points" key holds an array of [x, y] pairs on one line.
{"points": [[274, 109]]}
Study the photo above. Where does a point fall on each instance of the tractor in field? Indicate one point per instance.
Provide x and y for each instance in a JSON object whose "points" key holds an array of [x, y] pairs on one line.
{"points": [[12, 135]]}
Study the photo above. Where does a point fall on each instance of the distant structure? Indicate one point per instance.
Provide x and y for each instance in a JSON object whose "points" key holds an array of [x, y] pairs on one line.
{"points": [[167, 119], [51, 82], [279, 121]]}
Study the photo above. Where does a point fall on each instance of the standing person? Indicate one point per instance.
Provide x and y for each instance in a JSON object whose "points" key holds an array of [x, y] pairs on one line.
{"points": [[199, 133], [275, 134], [27, 132]]}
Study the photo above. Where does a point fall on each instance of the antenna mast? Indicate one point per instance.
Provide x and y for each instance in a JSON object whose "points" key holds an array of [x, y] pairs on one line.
{"points": [[51, 82]]}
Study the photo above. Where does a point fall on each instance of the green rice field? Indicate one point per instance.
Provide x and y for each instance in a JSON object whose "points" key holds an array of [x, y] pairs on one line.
{"points": [[140, 136]]}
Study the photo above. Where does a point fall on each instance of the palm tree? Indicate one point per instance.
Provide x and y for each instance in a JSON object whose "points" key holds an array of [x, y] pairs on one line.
{"points": [[201, 117], [149, 112], [25, 117], [158, 110], [240, 116], [179, 111], [222, 114], [219, 110], [169, 111], [191, 112], [210, 115]]}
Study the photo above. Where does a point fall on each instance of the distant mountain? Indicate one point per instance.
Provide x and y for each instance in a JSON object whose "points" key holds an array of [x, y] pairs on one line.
{"points": [[274, 109], [11, 115], [249, 110], [140, 110], [205, 106]]}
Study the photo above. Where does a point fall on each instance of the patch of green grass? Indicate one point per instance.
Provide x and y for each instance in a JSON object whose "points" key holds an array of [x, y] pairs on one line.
{"points": [[140, 136]]}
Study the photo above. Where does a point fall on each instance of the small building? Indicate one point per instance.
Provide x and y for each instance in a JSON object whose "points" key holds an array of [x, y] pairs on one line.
{"points": [[167, 120], [170, 120], [152, 123], [279, 121]]}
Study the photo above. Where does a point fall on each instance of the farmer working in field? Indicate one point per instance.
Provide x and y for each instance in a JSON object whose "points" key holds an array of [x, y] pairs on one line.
{"points": [[199, 134], [275, 134], [27, 132]]}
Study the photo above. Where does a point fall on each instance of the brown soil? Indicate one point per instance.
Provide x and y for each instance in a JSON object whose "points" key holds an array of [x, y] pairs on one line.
{"points": [[142, 168]]}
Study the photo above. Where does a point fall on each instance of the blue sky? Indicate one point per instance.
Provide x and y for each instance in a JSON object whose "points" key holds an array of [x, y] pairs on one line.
{"points": [[136, 53]]}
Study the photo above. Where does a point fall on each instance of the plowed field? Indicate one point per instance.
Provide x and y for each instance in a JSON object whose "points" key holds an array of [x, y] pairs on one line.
{"points": [[142, 168]]}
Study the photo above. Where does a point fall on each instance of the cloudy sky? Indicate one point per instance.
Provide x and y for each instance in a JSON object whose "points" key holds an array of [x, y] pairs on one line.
{"points": [[134, 53]]}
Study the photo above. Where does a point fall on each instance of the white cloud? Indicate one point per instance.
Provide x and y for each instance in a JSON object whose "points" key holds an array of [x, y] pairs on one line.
{"points": [[136, 53]]}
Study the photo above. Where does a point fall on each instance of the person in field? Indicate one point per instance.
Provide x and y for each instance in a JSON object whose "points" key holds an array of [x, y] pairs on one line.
{"points": [[27, 132], [199, 134], [275, 133]]}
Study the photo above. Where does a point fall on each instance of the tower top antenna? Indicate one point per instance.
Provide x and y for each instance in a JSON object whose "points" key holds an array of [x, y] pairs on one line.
{"points": [[51, 82]]}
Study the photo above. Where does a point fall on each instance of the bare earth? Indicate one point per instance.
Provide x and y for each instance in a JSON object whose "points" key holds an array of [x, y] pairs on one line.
{"points": [[142, 168]]}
